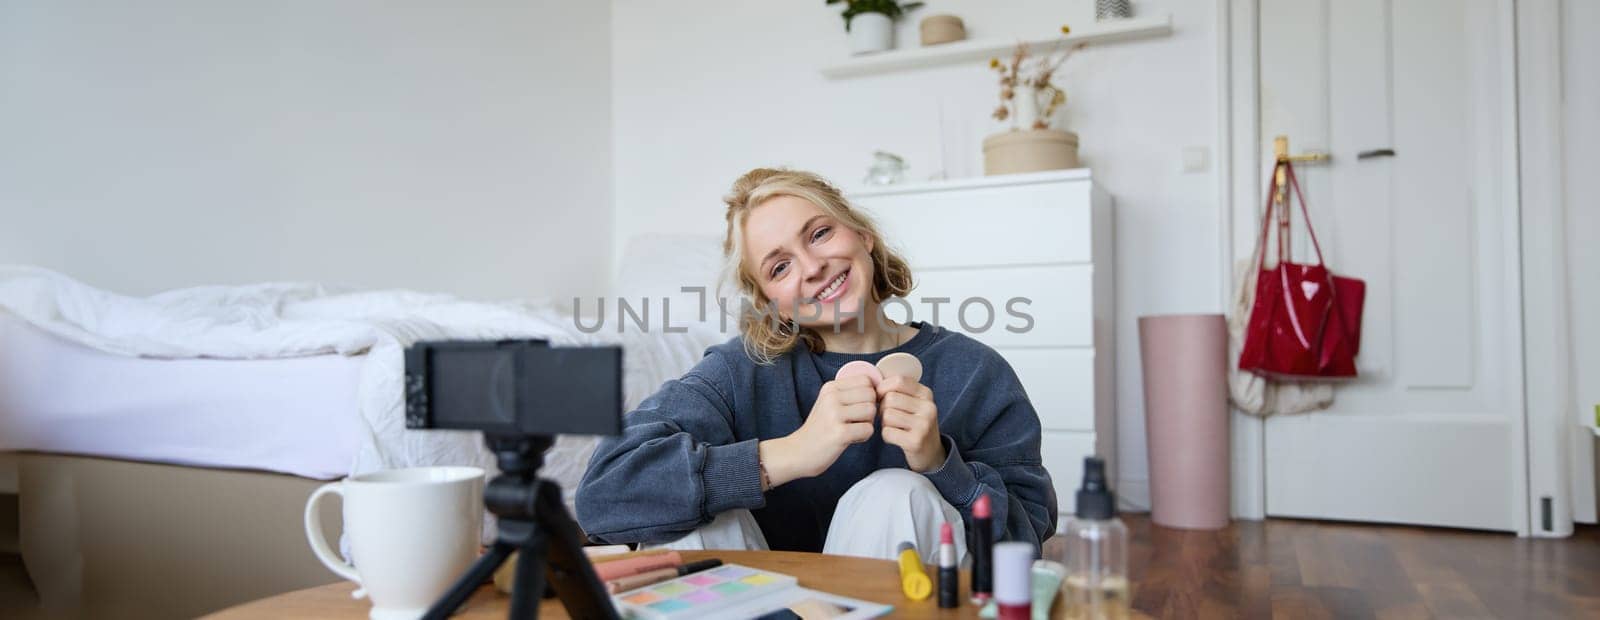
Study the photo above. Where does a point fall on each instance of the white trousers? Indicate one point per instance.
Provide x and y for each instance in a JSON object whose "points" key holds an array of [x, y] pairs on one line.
{"points": [[886, 508]]}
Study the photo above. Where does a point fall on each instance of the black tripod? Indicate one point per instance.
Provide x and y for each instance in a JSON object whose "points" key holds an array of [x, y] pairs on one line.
{"points": [[534, 522]]}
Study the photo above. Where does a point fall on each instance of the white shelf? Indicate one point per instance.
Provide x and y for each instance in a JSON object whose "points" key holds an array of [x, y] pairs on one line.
{"points": [[983, 49], [994, 180]]}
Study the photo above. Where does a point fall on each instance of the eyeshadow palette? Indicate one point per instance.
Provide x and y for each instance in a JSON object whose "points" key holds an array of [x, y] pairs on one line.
{"points": [[694, 595]]}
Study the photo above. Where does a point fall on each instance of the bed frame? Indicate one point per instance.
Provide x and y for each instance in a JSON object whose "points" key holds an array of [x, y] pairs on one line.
{"points": [[110, 538]]}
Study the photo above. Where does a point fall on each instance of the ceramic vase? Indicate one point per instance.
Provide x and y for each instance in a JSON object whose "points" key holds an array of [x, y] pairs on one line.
{"points": [[871, 32]]}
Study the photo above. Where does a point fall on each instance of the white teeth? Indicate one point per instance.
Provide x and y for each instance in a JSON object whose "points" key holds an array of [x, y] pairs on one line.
{"points": [[832, 287]]}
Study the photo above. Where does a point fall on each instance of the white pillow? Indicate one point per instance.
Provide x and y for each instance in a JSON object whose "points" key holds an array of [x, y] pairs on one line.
{"points": [[653, 267], [656, 268]]}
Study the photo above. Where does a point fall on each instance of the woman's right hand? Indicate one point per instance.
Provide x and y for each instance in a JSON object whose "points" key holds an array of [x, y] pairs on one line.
{"points": [[842, 416]]}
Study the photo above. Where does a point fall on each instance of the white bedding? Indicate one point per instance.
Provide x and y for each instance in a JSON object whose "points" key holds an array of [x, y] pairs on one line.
{"points": [[343, 348], [281, 322]]}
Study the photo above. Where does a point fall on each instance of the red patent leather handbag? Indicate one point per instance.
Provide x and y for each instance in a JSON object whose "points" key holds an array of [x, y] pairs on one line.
{"points": [[1305, 324]]}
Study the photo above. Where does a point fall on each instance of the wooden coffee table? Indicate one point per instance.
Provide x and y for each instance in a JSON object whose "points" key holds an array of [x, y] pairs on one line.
{"points": [[877, 581]]}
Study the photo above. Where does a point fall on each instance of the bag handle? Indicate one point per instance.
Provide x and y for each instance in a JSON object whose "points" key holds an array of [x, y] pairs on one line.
{"points": [[1283, 217], [1266, 222], [1295, 183]]}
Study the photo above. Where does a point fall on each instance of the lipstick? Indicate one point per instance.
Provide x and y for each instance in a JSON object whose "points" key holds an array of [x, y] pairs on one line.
{"points": [[982, 549], [949, 575]]}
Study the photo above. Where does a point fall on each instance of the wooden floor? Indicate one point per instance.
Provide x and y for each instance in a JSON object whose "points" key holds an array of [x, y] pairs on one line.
{"points": [[1303, 569], [1310, 569]]}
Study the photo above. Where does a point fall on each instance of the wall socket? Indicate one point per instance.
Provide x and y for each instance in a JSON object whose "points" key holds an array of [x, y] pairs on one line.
{"points": [[1196, 159]]}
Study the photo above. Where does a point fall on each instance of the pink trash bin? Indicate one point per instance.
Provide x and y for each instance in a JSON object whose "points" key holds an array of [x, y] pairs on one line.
{"points": [[1185, 362]]}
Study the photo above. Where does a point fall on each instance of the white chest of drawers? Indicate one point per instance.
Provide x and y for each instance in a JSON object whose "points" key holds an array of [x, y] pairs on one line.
{"points": [[1046, 237]]}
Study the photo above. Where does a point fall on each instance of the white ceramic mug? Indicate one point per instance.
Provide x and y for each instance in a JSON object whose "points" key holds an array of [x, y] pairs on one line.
{"points": [[412, 532]]}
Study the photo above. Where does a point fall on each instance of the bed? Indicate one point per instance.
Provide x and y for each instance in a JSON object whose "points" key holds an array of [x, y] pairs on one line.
{"points": [[165, 445], [107, 528], [63, 397]]}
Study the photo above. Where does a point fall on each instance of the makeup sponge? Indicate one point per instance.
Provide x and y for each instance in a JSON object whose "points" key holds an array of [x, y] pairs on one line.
{"points": [[859, 367], [900, 365]]}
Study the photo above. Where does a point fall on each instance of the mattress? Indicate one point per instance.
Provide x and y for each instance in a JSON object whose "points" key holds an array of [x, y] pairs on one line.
{"points": [[296, 415]]}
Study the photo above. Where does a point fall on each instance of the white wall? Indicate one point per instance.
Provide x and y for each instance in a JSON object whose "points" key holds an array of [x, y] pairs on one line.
{"points": [[705, 90], [444, 146]]}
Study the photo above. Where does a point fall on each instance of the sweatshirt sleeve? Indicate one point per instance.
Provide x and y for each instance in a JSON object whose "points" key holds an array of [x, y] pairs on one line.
{"points": [[674, 467], [1001, 458]]}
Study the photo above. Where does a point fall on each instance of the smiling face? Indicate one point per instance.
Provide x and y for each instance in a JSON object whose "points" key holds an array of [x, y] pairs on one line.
{"points": [[803, 258]]}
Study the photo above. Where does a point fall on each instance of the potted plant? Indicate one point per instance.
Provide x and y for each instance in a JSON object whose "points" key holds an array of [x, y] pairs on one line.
{"points": [[870, 23], [1029, 98]]}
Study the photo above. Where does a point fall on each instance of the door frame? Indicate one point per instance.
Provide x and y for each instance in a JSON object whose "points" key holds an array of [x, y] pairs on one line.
{"points": [[1560, 448], [1238, 123], [1549, 455]]}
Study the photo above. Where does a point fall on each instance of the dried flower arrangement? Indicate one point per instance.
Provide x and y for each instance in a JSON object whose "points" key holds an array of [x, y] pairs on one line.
{"points": [[1047, 97]]}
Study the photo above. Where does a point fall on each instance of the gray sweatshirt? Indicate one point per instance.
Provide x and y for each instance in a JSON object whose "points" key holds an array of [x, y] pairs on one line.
{"points": [[688, 452]]}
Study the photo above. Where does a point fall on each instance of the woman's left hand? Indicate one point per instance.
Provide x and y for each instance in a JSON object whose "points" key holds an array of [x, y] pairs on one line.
{"points": [[911, 421]]}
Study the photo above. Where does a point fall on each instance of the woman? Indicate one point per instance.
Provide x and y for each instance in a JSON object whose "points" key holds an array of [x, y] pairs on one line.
{"points": [[759, 446]]}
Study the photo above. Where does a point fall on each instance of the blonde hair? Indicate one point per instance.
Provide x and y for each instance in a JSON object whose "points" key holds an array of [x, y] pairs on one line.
{"points": [[767, 337]]}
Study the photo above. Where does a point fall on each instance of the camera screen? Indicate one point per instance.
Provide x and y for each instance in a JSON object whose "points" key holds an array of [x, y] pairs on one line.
{"points": [[514, 386], [474, 389]]}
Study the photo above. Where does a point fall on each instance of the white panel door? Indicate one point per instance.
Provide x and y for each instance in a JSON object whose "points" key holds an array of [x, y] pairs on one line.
{"points": [[1432, 432]]}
